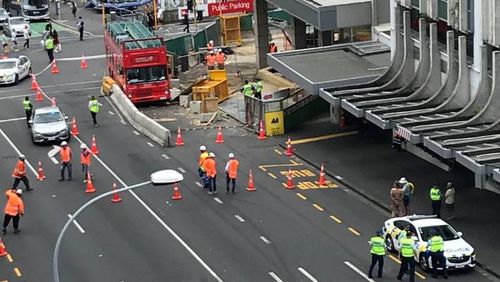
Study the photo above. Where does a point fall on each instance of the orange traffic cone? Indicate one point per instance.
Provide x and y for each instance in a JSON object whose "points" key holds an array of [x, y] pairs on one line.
{"points": [[262, 132], [179, 141], [93, 147], [219, 139], [53, 102], [40, 175], [39, 96], [289, 150], [321, 180], [83, 63], [250, 186], [116, 198], [289, 182], [3, 251], [74, 129], [177, 194], [54, 68], [90, 186], [34, 84]]}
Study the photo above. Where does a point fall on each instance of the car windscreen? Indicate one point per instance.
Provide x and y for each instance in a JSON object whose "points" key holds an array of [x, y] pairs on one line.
{"points": [[146, 74], [3, 13], [48, 117], [17, 21], [444, 230], [7, 65]]}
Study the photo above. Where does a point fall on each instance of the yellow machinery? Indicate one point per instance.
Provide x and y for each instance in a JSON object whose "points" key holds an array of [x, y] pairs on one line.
{"points": [[211, 91], [230, 27]]}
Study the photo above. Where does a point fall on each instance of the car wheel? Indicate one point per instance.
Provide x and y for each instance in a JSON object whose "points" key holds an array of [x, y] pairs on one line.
{"points": [[423, 263], [16, 80], [389, 243]]}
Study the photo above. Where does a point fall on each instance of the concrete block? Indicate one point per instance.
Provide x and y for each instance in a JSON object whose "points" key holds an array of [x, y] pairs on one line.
{"points": [[195, 107], [210, 105], [175, 83], [184, 100]]}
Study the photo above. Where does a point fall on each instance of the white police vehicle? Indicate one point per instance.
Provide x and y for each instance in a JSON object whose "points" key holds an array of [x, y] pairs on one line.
{"points": [[12, 70], [459, 254]]}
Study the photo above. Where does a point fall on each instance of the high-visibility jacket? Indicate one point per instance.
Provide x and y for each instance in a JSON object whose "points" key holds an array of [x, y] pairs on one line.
{"points": [[19, 170], [27, 105], [258, 86], [220, 58], [436, 244], [232, 168], [201, 160], [14, 205], [406, 249], [85, 157], [247, 89], [94, 106], [435, 194], [210, 60], [65, 154], [273, 48], [377, 244], [49, 43], [210, 167]]}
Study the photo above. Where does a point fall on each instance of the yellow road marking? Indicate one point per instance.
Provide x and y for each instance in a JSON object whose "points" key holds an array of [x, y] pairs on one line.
{"points": [[272, 175], [9, 258], [292, 163], [321, 138], [336, 219], [278, 152], [263, 169], [399, 262], [4, 281], [318, 207], [420, 275], [17, 271], [301, 196], [354, 231]]}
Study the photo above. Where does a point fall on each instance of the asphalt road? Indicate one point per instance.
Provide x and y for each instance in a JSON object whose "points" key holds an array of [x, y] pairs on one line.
{"points": [[273, 234]]}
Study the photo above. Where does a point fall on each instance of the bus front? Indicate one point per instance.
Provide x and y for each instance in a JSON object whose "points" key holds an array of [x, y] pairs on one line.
{"points": [[35, 9]]}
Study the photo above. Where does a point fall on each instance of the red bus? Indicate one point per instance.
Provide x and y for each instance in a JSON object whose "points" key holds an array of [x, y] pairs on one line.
{"points": [[137, 61]]}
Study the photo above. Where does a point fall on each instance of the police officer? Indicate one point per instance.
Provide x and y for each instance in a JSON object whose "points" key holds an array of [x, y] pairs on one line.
{"points": [[247, 91], [406, 253], [28, 109], [436, 247], [378, 252], [258, 86], [436, 195], [49, 46], [94, 109]]}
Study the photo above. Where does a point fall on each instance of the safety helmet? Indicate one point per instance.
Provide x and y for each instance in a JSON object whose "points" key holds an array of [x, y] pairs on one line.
{"points": [[203, 148], [22, 157], [19, 191], [83, 146], [211, 42], [231, 155], [403, 180], [212, 155], [64, 143], [219, 50], [211, 52]]}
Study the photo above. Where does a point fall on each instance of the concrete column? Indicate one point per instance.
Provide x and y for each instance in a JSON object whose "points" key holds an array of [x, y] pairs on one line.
{"points": [[481, 18], [261, 32], [325, 38], [298, 33]]}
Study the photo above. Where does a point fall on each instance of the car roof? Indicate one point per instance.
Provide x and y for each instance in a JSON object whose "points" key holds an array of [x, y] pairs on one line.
{"points": [[47, 110], [422, 221], [9, 60], [16, 18]]}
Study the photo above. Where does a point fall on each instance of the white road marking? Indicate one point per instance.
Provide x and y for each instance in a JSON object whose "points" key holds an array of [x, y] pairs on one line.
{"points": [[275, 277], [339, 177], [358, 271], [181, 170], [150, 144], [306, 274], [198, 184], [238, 217], [136, 132], [52, 153], [160, 221], [51, 92], [17, 151], [218, 200], [265, 240], [12, 119], [111, 113], [114, 108], [77, 225], [15, 96], [123, 122], [165, 157]]}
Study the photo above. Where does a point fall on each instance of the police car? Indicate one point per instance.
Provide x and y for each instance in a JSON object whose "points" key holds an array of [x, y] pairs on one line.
{"points": [[13, 70], [459, 254]]}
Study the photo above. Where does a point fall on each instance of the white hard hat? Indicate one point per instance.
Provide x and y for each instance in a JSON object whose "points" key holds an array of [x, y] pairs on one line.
{"points": [[403, 180], [231, 155], [83, 146], [22, 156], [219, 50], [212, 155], [211, 52], [64, 143], [19, 191], [211, 42], [203, 148]]}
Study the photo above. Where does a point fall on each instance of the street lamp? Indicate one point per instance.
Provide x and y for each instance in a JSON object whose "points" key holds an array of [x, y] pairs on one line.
{"points": [[162, 177]]}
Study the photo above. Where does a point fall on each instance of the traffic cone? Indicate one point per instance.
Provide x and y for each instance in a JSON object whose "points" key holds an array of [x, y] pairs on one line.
{"points": [[179, 141], [262, 132], [83, 63], [39, 96], [54, 68], [219, 139], [177, 194], [321, 180], [93, 147], [40, 175], [289, 181], [90, 186], [34, 84], [74, 129], [289, 150], [250, 186], [116, 198], [53, 102], [3, 251]]}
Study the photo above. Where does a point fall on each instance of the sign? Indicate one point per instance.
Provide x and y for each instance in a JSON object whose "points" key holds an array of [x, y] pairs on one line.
{"points": [[274, 123], [215, 9], [144, 59]]}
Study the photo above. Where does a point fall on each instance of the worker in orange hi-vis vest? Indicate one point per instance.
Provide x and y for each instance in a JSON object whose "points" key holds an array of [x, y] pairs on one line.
{"points": [[210, 60], [14, 209], [65, 155], [211, 171], [210, 45], [272, 47], [19, 174], [231, 172], [85, 160], [221, 59]]}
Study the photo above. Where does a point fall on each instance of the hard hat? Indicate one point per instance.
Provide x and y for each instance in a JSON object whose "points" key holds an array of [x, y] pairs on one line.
{"points": [[19, 191], [212, 155], [203, 148], [83, 146], [211, 42], [211, 52], [219, 50], [22, 157], [403, 180], [64, 143], [231, 155]]}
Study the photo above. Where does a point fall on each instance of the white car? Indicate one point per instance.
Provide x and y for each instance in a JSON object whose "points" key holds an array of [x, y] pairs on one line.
{"points": [[17, 25], [459, 254], [13, 70], [3, 15]]}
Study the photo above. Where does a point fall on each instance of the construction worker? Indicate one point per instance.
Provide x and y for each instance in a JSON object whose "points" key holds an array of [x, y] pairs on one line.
{"points": [[210, 45], [19, 174], [436, 247], [231, 172], [378, 253], [435, 194], [85, 161], [94, 107], [220, 58], [406, 254], [14, 209], [201, 166], [272, 47], [211, 171], [210, 60], [28, 109], [258, 86], [65, 155], [247, 91]]}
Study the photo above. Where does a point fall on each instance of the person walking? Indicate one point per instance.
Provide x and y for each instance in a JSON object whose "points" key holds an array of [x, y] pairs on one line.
{"points": [[57, 43], [28, 109], [26, 35], [408, 189], [211, 171], [85, 161], [65, 155], [49, 46], [94, 107], [201, 166], [258, 86], [220, 58], [378, 253], [5, 45], [80, 25], [73, 9], [396, 196], [435, 195], [13, 38], [449, 200], [14, 209], [19, 174], [247, 91], [231, 173], [406, 254], [436, 247], [185, 20]]}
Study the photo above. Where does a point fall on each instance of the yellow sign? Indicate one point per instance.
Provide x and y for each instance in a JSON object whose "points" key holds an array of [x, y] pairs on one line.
{"points": [[274, 123]]}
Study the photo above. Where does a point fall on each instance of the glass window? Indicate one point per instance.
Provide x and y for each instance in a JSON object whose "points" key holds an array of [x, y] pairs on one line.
{"points": [[146, 74], [443, 10], [446, 232], [48, 117], [7, 65]]}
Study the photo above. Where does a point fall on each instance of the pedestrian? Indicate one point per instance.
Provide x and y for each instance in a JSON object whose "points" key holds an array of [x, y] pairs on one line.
{"points": [[247, 91], [210, 45], [220, 59], [210, 60], [65, 155], [80, 25], [449, 200], [57, 43], [396, 196], [73, 9], [48, 27], [94, 107], [435, 195], [408, 189], [406, 254], [13, 38], [85, 161], [185, 16], [231, 172], [26, 35], [14, 209], [28, 110], [378, 253], [258, 86], [272, 47], [5, 45], [19, 174], [49, 46], [201, 166], [211, 171], [436, 247]]}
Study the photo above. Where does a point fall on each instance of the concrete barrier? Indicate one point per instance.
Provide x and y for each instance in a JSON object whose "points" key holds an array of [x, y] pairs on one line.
{"points": [[138, 120]]}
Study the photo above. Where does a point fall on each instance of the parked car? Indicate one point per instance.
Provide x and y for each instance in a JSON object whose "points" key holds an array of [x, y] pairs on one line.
{"points": [[13, 70], [17, 25], [3, 15], [48, 124]]}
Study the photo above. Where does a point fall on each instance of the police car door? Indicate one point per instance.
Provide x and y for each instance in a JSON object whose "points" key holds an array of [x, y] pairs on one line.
{"points": [[401, 225]]}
